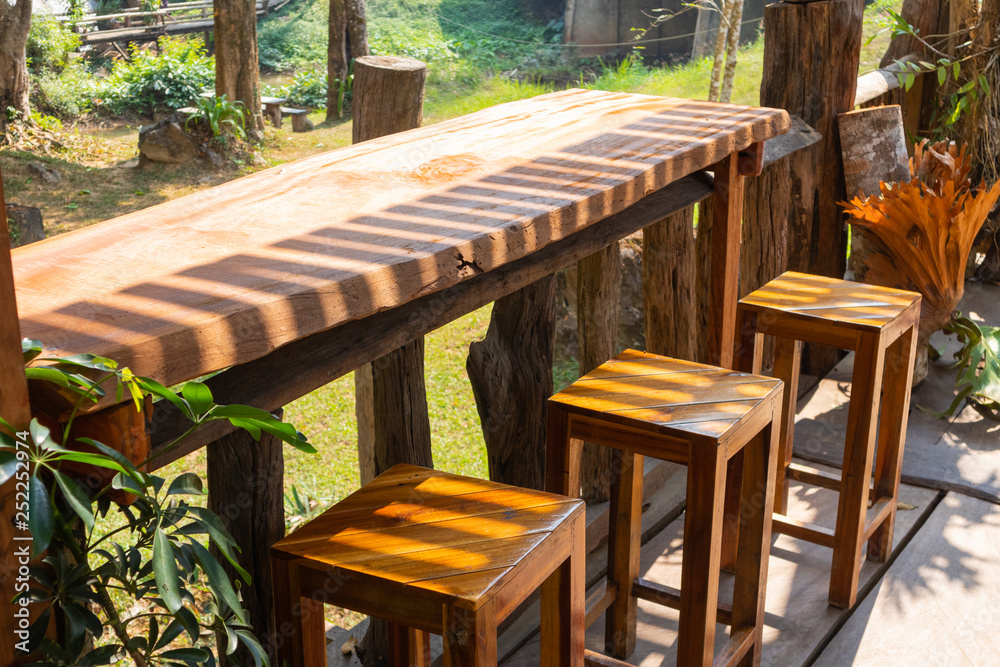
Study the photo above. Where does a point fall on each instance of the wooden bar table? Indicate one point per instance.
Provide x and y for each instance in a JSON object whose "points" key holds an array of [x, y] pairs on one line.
{"points": [[294, 276]]}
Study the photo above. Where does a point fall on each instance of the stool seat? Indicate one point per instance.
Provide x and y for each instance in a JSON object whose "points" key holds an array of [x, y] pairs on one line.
{"points": [[415, 546], [811, 299], [669, 396], [704, 417]]}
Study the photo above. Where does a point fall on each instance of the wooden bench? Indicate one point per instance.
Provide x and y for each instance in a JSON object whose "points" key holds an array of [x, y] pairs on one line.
{"points": [[880, 325], [433, 552], [700, 416], [299, 118]]}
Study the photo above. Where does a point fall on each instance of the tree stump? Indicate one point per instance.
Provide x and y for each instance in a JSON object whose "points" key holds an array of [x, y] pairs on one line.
{"points": [[237, 71], [246, 490], [669, 291], [391, 399], [28, 221], [388, 95], [511, 375], [597, 289], [811, 57]]}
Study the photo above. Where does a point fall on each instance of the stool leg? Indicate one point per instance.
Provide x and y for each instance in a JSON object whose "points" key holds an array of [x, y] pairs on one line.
{"points": [[562, 454], [892, 436], [866, 385], [787, 363], [299, 621], [760, 461], [470, 637], [749, 343], [702, 546], [408, 646], [731, 518], [563, 605], [624, 535]]}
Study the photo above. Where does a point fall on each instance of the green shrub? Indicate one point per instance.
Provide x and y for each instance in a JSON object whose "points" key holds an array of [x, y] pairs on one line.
{"points": [[307, 89], [151, 81], [65, 94], [219, 115], [295, 37], [49, 44]]}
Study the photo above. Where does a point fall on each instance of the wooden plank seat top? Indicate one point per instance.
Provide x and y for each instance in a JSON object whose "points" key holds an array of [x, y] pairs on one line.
{"points": [[434, 552], [229, 274], [701, 416], [879, 324]]}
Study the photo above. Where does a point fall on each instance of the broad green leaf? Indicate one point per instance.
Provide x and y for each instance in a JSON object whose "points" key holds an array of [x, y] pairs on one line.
{"points": [[910, 79], [165, 571], [171, 633], [942, 75], [41, 520], [956, 70], [198, 396], [8, 466], [218, 580], [247, 426], [157, 389], [76, 498], [30, 349], [198, 655], [115, 455], [250, 641], [186, 484]]}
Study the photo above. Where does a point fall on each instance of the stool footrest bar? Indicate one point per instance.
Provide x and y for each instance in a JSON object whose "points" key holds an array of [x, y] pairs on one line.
{"points": [[595, 659], [740, 641], [803, 531], [877, 513], [814, 476], [598, 602], [668, 596]]}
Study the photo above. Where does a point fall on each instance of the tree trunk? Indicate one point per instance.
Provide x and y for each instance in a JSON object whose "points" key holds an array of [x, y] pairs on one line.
{"points": [[395, 426], [246, 491], [357, 28], [669, 294], [237, 71], [715, 86], [336, 58], [732, 50], [811, 57], [15, 21], [598, 290], [511, 375]]}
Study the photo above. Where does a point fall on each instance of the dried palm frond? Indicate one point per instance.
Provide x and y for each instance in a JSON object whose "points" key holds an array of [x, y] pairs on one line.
{"points": [[928, 226]]}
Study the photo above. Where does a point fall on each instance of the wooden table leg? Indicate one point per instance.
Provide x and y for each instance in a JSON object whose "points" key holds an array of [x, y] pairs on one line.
{"points": [[300, 637], [724, 288], [562, 454], [759, 462], [408, 646], [470, 638], [564, 604], [892, 436], [859, 446], [624, 536], [702, 547]]}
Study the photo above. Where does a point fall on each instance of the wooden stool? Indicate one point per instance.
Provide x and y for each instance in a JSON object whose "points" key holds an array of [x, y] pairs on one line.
{"points": [[432, 552], [701, 416], [880, 325]]}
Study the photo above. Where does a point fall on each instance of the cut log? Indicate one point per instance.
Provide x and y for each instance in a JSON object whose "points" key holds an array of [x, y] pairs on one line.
{"points": [[28, 222], [669, 286], [598, 285], [246, 491], [395, 426], [811, 57], [511, 375]]}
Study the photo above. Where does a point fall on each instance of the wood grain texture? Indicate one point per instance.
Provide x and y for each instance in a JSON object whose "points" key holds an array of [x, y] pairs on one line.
{"points": [[511, 376], [669, 287], [725, 277], [245, 490], [388, 96], [265, 260], [811, 66], [598, 289]]}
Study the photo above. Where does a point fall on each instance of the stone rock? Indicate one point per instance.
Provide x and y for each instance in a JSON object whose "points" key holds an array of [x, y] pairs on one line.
{"points": [[46, 173], [167, 142], [214, 158], [631, 325], [26, 223]]}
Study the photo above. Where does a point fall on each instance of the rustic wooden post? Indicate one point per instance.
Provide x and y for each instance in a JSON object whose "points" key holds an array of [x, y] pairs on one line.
{"points": [[669, 294], [14, 408], [511, 375], [703, 271], [246, 487], [391, 399], [811, 57], [598, 292]]}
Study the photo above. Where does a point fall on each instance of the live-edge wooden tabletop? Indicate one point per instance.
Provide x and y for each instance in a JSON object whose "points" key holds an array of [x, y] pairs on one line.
{"points": [[226, 275]]}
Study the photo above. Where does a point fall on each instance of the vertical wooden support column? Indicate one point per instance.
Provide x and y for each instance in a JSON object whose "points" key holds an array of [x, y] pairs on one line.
{"points": [[391, 399], [811, 56], [245, 488], [15, 409], [669, 297], [598, 290], [727, 212], [703, 271], [511, 375]]}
